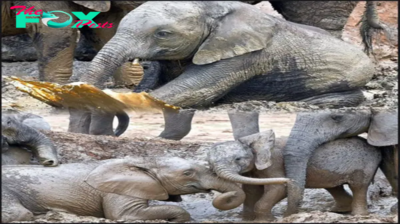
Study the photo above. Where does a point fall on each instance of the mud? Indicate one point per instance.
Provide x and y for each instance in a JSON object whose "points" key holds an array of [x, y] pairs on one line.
{"points": [[213, 126], [315, 207]]}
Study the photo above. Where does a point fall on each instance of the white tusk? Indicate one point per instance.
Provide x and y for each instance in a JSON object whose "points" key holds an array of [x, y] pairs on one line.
{"points": [[136, 61]]}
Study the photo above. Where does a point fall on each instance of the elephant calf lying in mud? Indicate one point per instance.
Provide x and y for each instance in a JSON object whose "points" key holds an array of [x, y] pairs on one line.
{"points": [[117, 189], [349, 161], [20, 133]]}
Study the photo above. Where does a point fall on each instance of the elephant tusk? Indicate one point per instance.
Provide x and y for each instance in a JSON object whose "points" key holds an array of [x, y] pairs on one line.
{"points": [[135, 62], [80, 95]]}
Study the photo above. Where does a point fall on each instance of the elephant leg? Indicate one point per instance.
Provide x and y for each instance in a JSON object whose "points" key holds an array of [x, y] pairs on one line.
{"points": [[121, 207], [253, 194], [79, 121], [359, 204], [177, 124], [244, 123], [101, 124], [170, 213], [339, 99], [389, 166], [343, 199], [396, 167], [55, 52], [394, 208], [272, 195], [12, 209]]}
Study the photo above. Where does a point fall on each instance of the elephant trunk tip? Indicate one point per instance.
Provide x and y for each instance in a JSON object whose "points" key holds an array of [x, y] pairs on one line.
{"points": [[229, 200]]}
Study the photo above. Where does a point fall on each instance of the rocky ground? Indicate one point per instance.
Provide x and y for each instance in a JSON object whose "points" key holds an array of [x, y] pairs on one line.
{"points": [[213, 126]]}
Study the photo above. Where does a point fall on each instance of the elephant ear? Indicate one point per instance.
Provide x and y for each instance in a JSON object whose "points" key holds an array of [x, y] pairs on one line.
{"points": [[383, 130], [99, 6], [239, 30], [262, 144], [124, 178]]}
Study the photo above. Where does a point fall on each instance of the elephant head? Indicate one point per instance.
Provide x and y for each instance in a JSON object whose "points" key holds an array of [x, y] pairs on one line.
{"points": [[17, 133], [163, 179], [316, 128], [199, 32], [232, 158]]}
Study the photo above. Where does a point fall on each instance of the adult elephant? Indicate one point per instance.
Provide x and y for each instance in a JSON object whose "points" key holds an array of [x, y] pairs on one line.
{"points": [[117, 189], [260, 58], [55, 47], [311, 130]]}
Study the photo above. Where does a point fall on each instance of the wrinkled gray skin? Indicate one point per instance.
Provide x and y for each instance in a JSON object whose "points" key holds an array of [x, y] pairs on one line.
{"points": [[314, 129], [20, 48], [269, 65], [117, 189], [55, 47], [20, 131], [328, 15], [344, 161]]}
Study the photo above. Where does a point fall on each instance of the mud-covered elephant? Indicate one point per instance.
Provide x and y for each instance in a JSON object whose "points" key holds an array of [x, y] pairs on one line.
{"points": [[55, 46], [331, 166], [20, 133], [260, 58], [117, 189], [314, 129]]}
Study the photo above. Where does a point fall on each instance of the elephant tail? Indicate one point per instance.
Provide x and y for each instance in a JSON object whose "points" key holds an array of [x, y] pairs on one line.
{"points": [[123, 123], [370, 23]]}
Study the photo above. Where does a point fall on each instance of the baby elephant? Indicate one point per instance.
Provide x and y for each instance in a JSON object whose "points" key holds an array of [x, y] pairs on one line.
{"points": [[20, 133], [349, 161], [117, 189]]}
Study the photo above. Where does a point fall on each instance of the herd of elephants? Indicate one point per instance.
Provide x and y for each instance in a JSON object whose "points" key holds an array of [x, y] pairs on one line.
{"points": [[197, 54]]}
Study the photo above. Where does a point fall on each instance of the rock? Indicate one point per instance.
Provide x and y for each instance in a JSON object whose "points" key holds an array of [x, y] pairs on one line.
{"points": [[17, 48], [74, 147]]}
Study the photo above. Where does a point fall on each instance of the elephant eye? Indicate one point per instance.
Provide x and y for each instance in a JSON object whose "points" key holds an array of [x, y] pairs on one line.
{"points": [[163, 34], [188, 173], [238, 159], [337, 118]]}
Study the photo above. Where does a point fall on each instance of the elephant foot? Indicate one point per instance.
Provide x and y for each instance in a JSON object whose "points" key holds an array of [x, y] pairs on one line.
{"points": [[248, 216], [394, 208], [177, 125], [360, 211], [341, 209], [264, 218]]}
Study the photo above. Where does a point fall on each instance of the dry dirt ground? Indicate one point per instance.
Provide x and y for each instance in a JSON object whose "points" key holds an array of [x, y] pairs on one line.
{"points": [[213, 126]]}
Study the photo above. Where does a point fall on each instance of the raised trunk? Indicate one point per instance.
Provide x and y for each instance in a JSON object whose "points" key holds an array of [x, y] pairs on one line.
{"points": [[44, 149], [108, 60], [17, 133], [234, 177]]}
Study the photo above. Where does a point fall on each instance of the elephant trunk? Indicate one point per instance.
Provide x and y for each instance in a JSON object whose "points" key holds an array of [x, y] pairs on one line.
{"points": [[44, 149], [232, 195], [108, 60], [235, 177], [297, 153], [17, 133]]}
